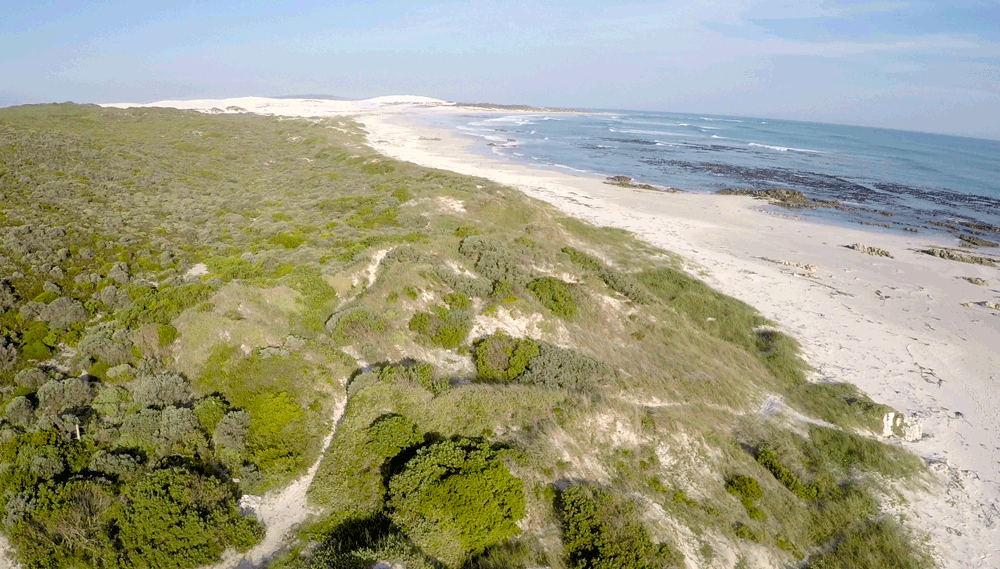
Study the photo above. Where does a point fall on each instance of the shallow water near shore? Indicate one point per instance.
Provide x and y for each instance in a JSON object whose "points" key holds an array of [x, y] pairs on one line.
{"points": [[884, 178]]}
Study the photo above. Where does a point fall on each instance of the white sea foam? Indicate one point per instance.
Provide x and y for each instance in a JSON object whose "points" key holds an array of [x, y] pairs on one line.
{"points": [[518, 120], [713, 120], [657, 123], [717, 136], [650, 132], [785, 148], [565, 167]]}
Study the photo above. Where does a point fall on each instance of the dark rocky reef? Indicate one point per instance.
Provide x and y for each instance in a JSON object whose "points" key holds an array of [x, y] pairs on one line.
{"points": [[626, 182], [977, 241], [961, 257], [784, 197], [873, 251]]}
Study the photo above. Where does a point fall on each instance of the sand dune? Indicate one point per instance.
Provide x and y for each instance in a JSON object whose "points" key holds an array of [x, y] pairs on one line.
{"points": [[912, 330]]}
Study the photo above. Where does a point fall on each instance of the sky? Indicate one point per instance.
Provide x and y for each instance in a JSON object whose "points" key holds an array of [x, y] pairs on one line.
{"points": [[913, 65]]}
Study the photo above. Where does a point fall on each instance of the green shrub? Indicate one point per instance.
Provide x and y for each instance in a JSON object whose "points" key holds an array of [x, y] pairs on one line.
{"points": [[560, 368], [745, 487], [161, 305], [177, 519], [748, 533], [161, 390], [627, 286], [464, 231], [275, 438], [494, 260], [418, 373], [555, 295], [389, 434], [234, 268], [210, 411], [287, 239], [354, 324], [602, 533], [502, 290], [502, 358], [769, 460], [442, 327], [456, 498], [748, 490], [583, 260], [166, 334]]}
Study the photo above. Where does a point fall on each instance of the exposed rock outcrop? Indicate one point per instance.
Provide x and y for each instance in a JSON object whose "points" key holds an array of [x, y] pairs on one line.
{"points": [[874, 251]]}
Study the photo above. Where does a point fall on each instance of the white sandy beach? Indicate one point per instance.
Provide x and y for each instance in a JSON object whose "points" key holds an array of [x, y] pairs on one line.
{"points": [[896, 328]]}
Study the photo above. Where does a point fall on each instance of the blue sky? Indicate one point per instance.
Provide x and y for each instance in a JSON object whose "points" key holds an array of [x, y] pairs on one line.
{"points": [[928, 66]]}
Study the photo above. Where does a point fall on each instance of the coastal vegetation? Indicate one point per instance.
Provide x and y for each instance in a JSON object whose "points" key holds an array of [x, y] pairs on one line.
{"points": [[187, 300]]}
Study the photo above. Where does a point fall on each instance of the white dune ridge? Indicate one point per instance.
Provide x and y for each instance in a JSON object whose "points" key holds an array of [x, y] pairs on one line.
{"points": [[296, 107]]}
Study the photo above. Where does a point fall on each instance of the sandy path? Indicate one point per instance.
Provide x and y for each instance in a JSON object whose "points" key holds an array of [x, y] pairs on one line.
{"points": [[894, 327], [281, 511]]}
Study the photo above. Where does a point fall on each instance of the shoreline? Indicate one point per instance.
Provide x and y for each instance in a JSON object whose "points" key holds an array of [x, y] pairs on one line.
{"points": [[828, 192], [896, 328]]}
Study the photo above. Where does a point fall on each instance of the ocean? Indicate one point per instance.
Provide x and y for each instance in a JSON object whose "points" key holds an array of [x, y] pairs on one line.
{"points": [[891, 179]]}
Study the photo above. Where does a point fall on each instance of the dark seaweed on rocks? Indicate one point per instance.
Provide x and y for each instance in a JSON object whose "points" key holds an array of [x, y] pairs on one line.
{"points": [[781, 196]]}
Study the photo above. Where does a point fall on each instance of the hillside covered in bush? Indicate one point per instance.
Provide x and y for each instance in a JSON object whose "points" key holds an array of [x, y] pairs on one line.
{"points": [[187, 299]]}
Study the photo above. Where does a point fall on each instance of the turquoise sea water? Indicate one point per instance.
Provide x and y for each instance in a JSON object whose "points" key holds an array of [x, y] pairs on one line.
{"points": [[923, 180]]}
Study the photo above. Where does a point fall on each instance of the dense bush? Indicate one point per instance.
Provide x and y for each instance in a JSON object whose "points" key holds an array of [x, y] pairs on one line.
{"points": [[442, 326], [57, 396], [108, 345], [160, 305], [417, 373], [499, 357], [354, 324], [561, 368], [769, 460], [177, 519], [622, 283], [390, 434], [468, 285], [502, 358], [555, 295], [494, 260], [602, 533], [161, 390], [748, 490], [232, 429], [456, 498], [20, 412]]}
